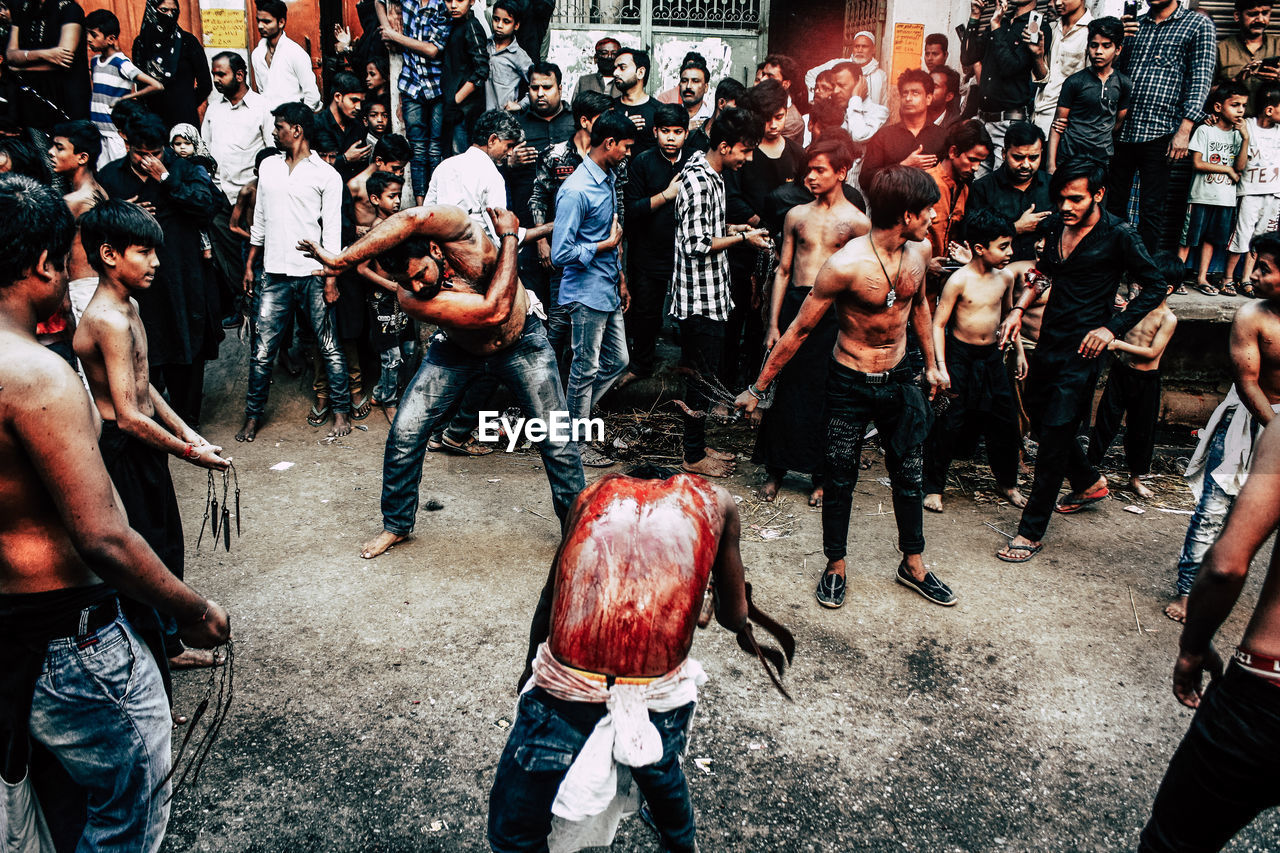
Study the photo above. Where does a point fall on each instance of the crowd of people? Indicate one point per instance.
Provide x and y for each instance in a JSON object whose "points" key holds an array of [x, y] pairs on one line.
{"points": [[952, 277]]}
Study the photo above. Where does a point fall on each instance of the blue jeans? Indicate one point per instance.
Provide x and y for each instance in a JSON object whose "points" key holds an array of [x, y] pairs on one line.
{"points": [[558, 324], [599, 344], [101, 711], [548, 734], [527, 368], [423, 125], [387, 391], [1210, 515], [277, 297]]}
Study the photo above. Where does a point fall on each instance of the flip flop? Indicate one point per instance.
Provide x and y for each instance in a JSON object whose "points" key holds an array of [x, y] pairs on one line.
{"points": [[1207, 289], [469, 448], [318, 417], [1031, 551], [360, 412], [1099, 494]]}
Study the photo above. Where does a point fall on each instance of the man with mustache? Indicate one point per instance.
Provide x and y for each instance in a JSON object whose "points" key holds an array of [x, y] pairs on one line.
{"points": [[1018, 189], [1244, 57]]}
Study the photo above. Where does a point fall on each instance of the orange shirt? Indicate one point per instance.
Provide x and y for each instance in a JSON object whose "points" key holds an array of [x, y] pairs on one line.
{"points": [[949, 209]]}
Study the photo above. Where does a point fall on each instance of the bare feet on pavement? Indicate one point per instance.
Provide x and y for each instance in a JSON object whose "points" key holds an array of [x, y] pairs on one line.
{"points": [[341, 425], [722, 455], [1139, 489], [1013, 496], [933, 503], [1177, 609], [249, 431], [381, 543], [709, 466], [769, 490]]}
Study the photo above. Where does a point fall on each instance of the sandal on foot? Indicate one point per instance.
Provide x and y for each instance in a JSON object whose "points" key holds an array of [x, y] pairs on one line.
{"points": [[831, 590], [470, 447], [361, 411], [1181, 290], [1098, 494], [1029, 551], [1207, 289], [930, 588], [319, 415], [1246, 289], [1228, 289]]}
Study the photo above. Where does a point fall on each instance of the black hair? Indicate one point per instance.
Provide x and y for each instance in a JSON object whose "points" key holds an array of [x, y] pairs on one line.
{"points": [[514, 8], [146, 130], [104, 21], [952, 76], [730, 89], [499, 123], [695, 61], [613, 125], [275, 8], [234, 61], [766, 98], [546, 69], [1220, 93], [588, 105], [370, 103], [1094, 173], [378, 182], [84, 137], [650, 471], [118, 224], [1243, 6], [899, 190], [838, 153], [826, 113], [640, 58], [392, 148], [671, 115], [1171, 267], [1022, 133], [395, 261], [299, 115], [965, 135], [26, 157], [1267, 96], [33, 219], [736, 126], [323, 141], [916, 75], [846, 66], [938, 38], [985, 225], [262, 155], [1111, 28], [382, 62], [123, 112], [1266, 244], [790, 74], [345, 83]]}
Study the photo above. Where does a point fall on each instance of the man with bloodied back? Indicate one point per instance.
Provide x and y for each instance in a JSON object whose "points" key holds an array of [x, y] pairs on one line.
{"points": [[608, 674]]}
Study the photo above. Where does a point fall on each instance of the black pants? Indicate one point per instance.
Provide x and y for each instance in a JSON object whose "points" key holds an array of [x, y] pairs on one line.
{"points": [[701, 347], [900, 413], [981, 405], [1149, 161], [1223, 773], [644, 317], [743, 334], [228, 263], [184, 385], [1134, 396]]}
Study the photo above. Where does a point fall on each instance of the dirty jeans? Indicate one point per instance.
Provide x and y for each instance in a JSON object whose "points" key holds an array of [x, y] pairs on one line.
{"points": [[387, 391], [547, 735], [599, 344], [1223, 774], [526, 367], [277, 297], [423, 125], [101, 711], [1210, 515]]}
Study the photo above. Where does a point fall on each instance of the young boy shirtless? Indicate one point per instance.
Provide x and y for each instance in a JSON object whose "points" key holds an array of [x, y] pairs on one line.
{"points": [[139, 429], [1221, 462], [965, 328], [390, 154], [74, 151], [1133, 386]]}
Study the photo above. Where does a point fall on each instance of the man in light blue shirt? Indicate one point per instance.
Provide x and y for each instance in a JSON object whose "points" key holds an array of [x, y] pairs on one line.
{"points": [[585, 244]]}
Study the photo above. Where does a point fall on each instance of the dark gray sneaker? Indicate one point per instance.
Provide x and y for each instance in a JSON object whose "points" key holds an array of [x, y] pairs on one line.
{"points": [[831, 590], [931, 588]]}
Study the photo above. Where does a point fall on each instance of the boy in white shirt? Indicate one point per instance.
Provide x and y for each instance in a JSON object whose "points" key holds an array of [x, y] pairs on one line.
{"points": [[1219, 152], [1259, 187]]}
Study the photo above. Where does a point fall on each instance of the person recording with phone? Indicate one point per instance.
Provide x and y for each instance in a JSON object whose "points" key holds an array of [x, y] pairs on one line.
{"points": [[1252, 55], [1012, 48]]}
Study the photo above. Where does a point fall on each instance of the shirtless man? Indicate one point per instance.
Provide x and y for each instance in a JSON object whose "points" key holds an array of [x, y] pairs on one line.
{"points": [[65, 551], [487, 330], [74, 151], [1220, 465], [1088, 251], [390, 154], [634, 545], [876, 283], [791, 432], [1223, 773]]}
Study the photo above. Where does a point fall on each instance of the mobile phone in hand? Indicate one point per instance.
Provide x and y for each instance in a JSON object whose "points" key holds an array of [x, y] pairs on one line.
{"points": [[1131, 8], [1034, 19]]}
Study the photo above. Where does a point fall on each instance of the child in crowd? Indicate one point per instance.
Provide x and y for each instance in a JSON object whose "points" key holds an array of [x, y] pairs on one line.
{"points": [[242, 214], [74, 150], [1093, 101], [377, 118], [187, 143], [139, 429], [508, 61], [464, 75], [377, 78], [114, 78], [1133, 386], [1219, 153], [965, 330], [392, 333], [391, 154], [1025, 274], [1259, 187]]}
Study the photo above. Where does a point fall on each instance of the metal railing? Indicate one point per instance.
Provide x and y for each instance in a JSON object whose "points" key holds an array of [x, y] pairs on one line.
{"points": [[711, 15]]}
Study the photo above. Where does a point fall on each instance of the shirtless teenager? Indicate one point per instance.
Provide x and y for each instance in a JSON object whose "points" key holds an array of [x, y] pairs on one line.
{"points": [[390, 154], [65, 551], [1088, 250], [1220, 464], [634, 546], [1223, 773], [74, 151], [487, 329], [965, 327], [792, 430], [876, 283]]}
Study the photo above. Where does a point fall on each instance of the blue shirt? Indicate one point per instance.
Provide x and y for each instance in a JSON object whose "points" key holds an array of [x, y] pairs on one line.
{"points": [[584, 216]]}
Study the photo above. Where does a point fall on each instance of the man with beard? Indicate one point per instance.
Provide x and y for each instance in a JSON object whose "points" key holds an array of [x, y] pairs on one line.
{"points": [[967, 145], [1241, 56], [343, 119], [1087, 252], [876, 284], [1018, 189], [631, 76], [176, 58], [545, 121], [864, 57]]}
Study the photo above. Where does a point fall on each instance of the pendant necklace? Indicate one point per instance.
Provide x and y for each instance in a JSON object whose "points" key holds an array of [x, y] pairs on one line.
{"points": [[892, 296]]}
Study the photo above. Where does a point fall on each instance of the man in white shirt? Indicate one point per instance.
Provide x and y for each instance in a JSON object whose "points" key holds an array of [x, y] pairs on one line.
{"points": [[1070, 38], [863, 56], [282, 70], [299, 198]]}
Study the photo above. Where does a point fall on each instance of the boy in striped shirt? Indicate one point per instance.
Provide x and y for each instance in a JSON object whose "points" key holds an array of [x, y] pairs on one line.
{"points": [[114, 78]]}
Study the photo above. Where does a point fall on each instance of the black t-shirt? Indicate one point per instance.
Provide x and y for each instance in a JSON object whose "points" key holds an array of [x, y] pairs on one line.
{"points": [[644, 135], [40, 27]]}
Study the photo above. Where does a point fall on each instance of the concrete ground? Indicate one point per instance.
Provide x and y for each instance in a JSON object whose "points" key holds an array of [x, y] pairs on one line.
{"points": [[373, 698]]}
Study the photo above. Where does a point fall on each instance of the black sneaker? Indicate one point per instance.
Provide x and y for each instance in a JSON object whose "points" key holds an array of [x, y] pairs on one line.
{"points": [[931, 588], [831, 590]]}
